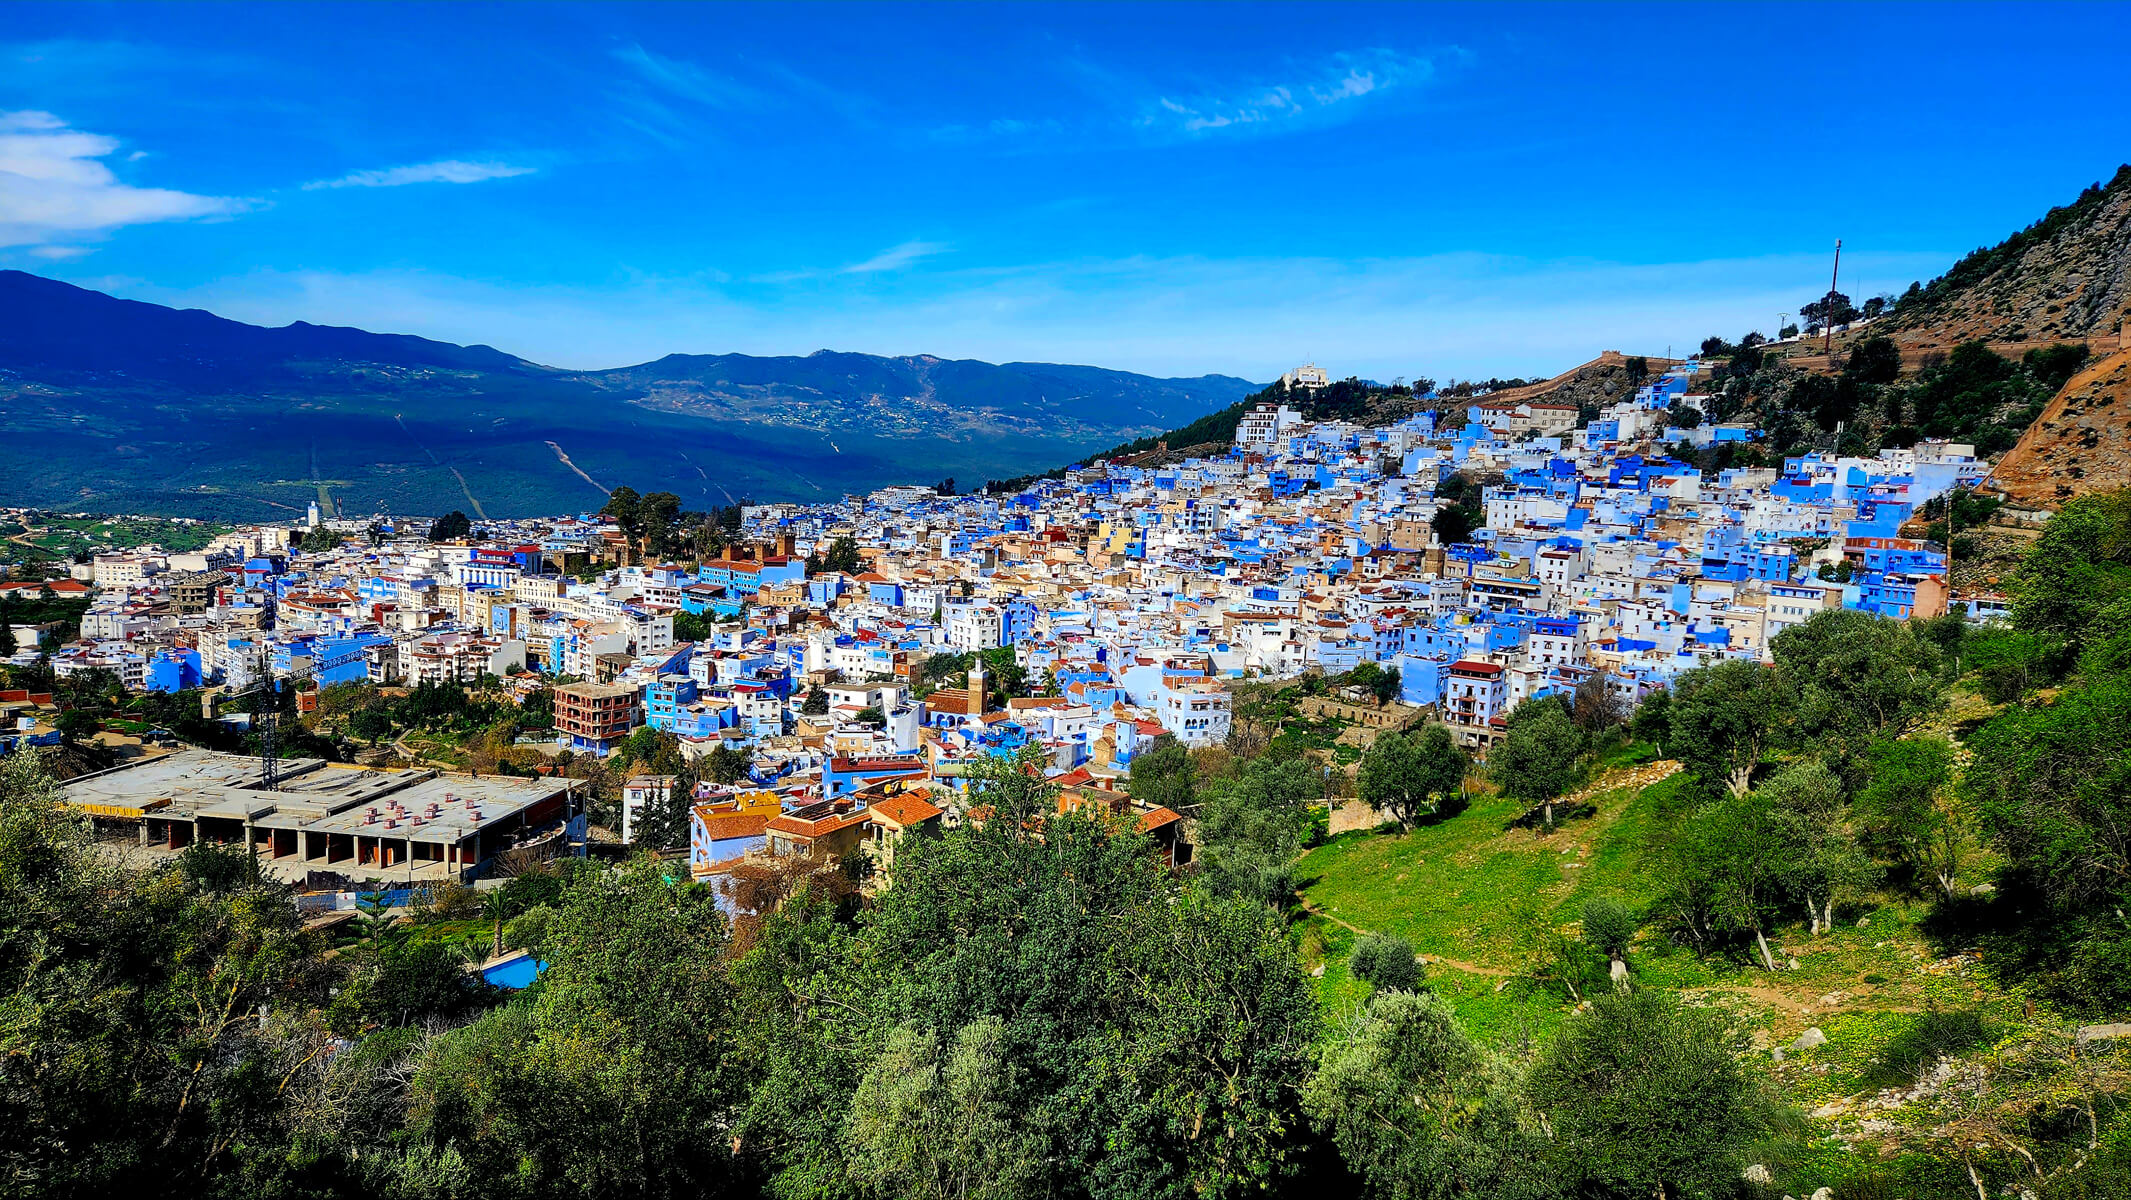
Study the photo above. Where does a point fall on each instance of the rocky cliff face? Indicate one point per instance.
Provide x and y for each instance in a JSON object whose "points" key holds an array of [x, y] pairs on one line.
{"points": [[2065, 278], [2081, 443], [1602, 381]]}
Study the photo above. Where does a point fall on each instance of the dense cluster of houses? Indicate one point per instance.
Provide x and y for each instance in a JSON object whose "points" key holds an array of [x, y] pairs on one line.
{"points": [[1131, 597]]}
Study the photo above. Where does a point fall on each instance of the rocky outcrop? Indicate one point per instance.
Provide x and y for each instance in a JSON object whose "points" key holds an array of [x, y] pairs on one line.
{"points": [[2081, 443], [2065, 278], [1602, 381]]}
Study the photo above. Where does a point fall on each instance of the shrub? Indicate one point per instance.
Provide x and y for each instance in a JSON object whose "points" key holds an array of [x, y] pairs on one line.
{"points": [[1386, 962]]}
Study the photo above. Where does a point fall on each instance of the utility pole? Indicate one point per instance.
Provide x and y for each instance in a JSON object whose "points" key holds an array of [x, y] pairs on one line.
{"points": [[1828, 317]]}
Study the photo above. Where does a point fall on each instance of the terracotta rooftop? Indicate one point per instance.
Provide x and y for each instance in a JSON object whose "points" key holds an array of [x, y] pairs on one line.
{"points": [[906, 810]]}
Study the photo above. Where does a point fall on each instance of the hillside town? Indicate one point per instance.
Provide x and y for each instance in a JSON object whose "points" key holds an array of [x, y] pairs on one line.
{"points": [[1127, 603]]}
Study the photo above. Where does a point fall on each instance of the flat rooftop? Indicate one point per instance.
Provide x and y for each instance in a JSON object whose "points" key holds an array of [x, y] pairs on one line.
{"points": [[310, 794]]}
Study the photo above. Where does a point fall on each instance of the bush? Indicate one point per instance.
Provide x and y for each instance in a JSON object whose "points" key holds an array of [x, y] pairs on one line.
{"points": [[1386, 962], [1607, 927]]}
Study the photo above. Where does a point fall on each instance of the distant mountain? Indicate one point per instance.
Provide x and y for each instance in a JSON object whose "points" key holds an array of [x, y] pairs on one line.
{"points": [[119, 405], [53, 328], [2065, 278]]}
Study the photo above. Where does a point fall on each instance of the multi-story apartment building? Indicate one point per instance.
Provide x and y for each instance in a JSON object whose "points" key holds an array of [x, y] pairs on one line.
{"points": [[1474, 694], [595, 716]]}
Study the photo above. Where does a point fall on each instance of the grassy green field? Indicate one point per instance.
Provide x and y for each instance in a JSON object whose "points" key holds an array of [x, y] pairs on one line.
{"points": [[1475, 894]]}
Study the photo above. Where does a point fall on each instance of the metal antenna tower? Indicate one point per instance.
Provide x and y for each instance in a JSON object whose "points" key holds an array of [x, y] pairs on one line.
{"points": [[1827, 319]]}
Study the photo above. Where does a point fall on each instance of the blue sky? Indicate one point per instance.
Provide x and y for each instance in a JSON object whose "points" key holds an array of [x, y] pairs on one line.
{"points": [[1387, 190]]}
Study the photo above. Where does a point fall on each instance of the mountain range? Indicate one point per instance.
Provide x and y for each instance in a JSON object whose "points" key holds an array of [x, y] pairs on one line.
{"points": [[119, 405]]}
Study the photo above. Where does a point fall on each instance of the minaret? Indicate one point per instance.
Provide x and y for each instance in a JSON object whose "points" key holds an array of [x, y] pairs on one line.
{"points": [[976, 688], [314, 514]]}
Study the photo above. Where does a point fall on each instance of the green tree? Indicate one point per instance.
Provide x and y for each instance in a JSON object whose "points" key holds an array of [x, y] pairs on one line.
{"points": [[1908, 813], [1831, 309], [625, 505], [2079, 568], [658, 519], [1014, 788], [619, 1076], [450, 527], [2054, 366], [1821, 862], [726, 765], [1536, 761], [1386, 962], [1725, 717], [940, 1122], [1730, 873], [1163, 774], [1652, 722], [2049, 785], [842, 556], [1149, 1032], [407, 981], [1251, 830], [1876, 360], [816, 702], [1607, 928], [142, 1009], [1421, 1112], [1413, 775], [76, 724], [665, 824], [1647, 1097], [693, 627], [372, 722], [1856, 677]]}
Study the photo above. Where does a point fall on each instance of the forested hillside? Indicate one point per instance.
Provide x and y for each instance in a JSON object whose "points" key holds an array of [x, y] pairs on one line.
{"points": [[122, 406]]}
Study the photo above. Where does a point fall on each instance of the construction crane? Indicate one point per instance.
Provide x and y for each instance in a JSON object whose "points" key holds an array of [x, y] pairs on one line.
{"points": [[265, 692]]}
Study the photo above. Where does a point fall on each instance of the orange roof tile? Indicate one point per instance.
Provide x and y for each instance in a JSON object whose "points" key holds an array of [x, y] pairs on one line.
{"points": [[1156, 818], [906, 810]]}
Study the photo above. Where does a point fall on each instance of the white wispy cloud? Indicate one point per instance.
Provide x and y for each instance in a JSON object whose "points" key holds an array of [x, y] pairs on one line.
{"points": [[450, 170], [55, 189], [690, 81], [1321, 91], [894, 258]]}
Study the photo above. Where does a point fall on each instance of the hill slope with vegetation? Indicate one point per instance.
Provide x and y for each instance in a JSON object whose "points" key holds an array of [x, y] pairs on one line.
{"points": [[2067, 277], [118, 406]]}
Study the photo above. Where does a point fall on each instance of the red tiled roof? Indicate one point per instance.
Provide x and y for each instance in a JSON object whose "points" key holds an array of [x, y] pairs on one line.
{"points": [[906, 810], [819, 827], [1157, 818], [721, 826]]}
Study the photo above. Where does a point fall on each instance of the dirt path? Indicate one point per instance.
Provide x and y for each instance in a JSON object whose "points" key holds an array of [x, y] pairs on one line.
{"points": [[1470, 968], [565, 460], [478, 510]]}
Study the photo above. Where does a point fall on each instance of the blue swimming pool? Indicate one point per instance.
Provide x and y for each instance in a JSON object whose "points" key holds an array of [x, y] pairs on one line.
{"points": [[515, 973]]}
